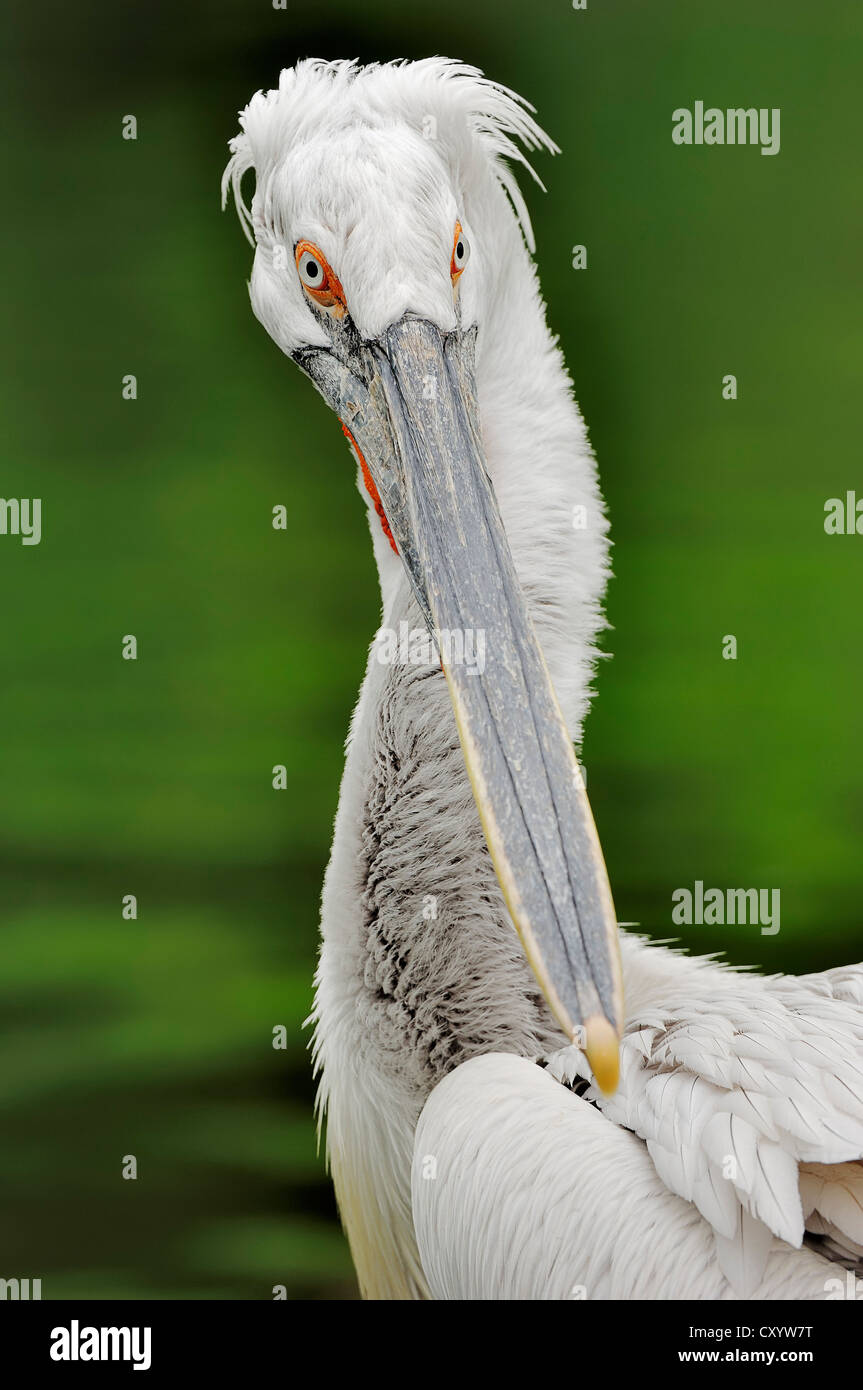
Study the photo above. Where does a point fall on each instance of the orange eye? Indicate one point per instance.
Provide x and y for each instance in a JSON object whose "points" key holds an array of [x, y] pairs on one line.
{"points": [[460, 253], [318, 279]]}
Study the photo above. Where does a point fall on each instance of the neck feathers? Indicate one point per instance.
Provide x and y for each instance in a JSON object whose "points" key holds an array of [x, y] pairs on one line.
{"points": [[420, 965]]}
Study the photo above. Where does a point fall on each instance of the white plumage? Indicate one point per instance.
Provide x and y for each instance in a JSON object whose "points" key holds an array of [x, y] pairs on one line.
{"points": [[739, 1094], [472, 1155]]}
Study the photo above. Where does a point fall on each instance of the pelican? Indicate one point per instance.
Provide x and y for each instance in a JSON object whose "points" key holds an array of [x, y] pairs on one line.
{"points": [[521, 1100]]}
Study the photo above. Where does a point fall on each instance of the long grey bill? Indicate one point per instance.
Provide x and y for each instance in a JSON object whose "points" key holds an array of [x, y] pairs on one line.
{"points": [[418, 430]]}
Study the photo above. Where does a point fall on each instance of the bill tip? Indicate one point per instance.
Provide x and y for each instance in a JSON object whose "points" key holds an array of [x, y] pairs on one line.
{"points": [[602, 1052]]}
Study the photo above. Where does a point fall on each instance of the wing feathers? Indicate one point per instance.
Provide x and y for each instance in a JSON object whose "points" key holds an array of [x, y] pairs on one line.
{"points": [[743, 1258], [834, 1192], [748, 1093]]}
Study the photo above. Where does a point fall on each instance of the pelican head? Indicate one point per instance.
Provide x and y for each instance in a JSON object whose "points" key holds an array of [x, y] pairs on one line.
{"points": [[378, 272]]}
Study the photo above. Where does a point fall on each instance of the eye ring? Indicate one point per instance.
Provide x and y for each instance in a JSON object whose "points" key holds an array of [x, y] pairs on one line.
{"points": [[318, 279], [460, 253]]}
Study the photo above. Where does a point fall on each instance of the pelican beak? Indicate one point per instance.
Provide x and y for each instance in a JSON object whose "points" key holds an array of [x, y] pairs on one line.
{"points": [[409, 402]]}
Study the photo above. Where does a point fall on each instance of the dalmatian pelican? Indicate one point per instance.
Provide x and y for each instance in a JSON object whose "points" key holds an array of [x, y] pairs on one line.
{"points": [[521, 1100]]}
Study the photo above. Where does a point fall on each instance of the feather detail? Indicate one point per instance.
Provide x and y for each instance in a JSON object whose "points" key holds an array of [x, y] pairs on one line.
{"points": [[748, 1093], [743, 1258]]}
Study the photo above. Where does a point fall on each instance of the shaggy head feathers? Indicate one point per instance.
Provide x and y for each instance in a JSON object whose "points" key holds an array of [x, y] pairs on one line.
{"points": [[446, 102], [374, 165]]}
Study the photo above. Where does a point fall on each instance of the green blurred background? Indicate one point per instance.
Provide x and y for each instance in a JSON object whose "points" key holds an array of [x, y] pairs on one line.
{"points": [[154, 777]]}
